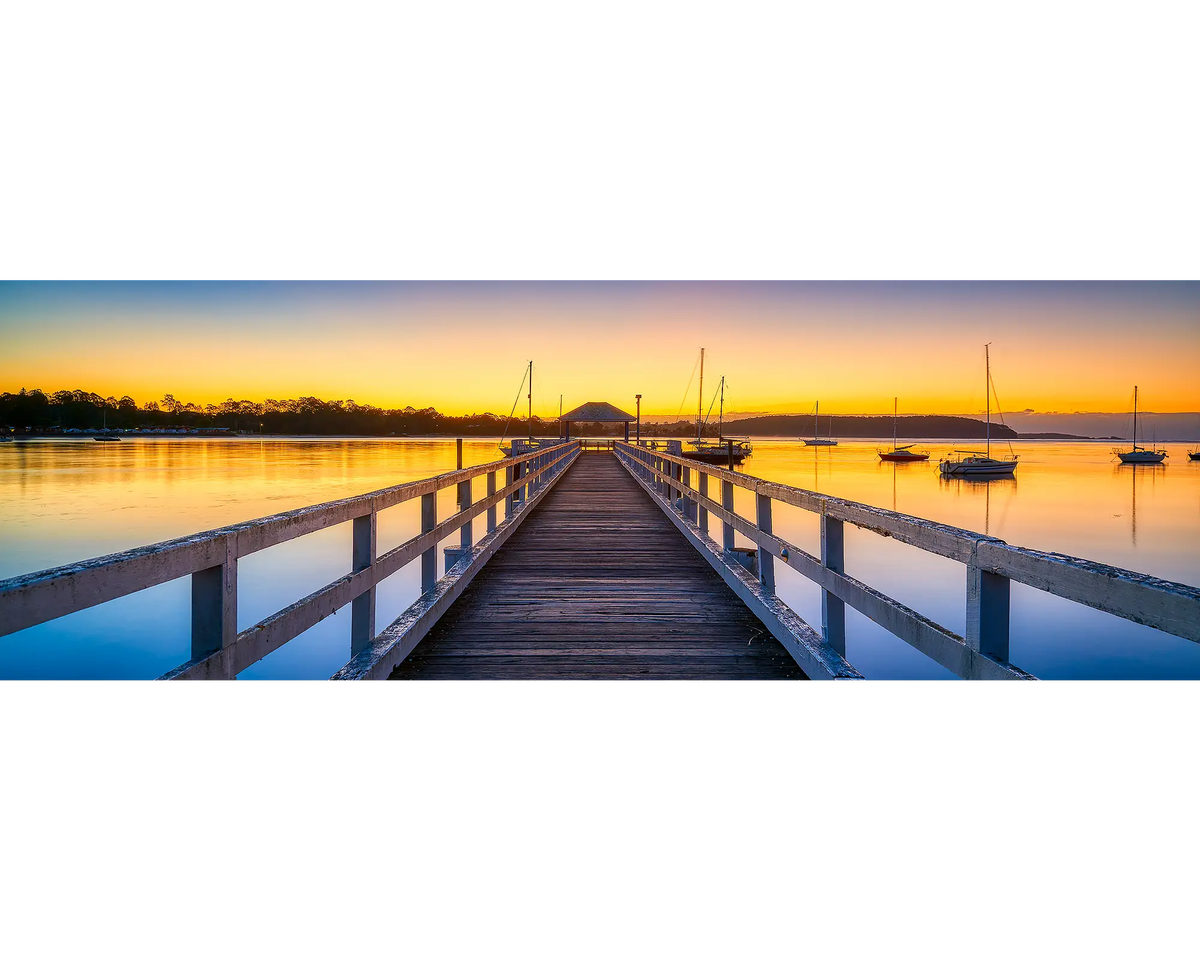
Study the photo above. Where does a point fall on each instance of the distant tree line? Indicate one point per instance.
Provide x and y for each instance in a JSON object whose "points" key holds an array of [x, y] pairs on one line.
{"points": [[39, 412]]}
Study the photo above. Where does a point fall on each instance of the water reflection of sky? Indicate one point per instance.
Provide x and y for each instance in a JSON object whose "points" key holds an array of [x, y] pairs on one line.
{"points": [[66, 500], [1068, 497]]}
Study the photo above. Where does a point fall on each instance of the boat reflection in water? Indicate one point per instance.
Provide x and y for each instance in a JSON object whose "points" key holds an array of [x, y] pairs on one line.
{"points": [[973, 486], [1135, 477]]}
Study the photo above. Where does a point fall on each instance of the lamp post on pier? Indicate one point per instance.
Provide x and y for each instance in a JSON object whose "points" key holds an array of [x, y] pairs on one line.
{"points": [[639, 419]]}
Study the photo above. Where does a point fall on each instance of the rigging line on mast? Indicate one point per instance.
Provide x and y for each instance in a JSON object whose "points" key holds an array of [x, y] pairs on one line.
{"points": [[999, 411], [695, 365], [547, 406], [708, 415], [517, 400]]}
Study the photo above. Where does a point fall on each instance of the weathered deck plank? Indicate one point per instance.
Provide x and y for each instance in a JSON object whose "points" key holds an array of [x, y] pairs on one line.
{"points": [[598, 584]]}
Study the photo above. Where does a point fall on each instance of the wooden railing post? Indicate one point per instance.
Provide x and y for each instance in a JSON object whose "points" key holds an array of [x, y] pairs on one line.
{"points": [[214, 606], [491, 492], [702, 513], [766, 561], [509, 500], [727, 503], [464, 503], [429, 556], [833, 557], [988, 611], [362, 609], [688, 504]]}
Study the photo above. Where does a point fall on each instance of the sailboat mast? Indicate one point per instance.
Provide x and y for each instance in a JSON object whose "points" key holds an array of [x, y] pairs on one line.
{"points": [[700, 398], [1135, 418], [530, 398], [987, 389], [816, 420], [895, 409], [721, 412]]}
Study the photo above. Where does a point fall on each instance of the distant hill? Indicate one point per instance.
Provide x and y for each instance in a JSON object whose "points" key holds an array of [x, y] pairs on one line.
{"points": [[1058, 436], [927, 427]]}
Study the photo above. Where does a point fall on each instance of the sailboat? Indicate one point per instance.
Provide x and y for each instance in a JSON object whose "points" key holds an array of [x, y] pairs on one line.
{"points": [[971, 463], [721, 450], [817, 441], [906, 453], [517, 447], [106, 437], [1138, 454]]}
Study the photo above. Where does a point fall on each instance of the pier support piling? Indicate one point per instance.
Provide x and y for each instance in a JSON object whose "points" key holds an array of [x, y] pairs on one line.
{"points": [[833, 557], [491, 511], [464, 503], [988, 612], [362, 609], [214, 606], [727, 503], [428, 557], [766, 562]]}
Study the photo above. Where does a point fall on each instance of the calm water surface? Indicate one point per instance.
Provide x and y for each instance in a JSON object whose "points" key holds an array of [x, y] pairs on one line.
{"points": [[62, 501]]}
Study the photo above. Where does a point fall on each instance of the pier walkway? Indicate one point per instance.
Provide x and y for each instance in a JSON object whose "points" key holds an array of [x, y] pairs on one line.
{"points": [[598, 584]]}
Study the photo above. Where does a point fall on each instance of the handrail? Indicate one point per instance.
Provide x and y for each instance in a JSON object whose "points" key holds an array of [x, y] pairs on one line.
{"points": [[210, 558], [991, 565]]}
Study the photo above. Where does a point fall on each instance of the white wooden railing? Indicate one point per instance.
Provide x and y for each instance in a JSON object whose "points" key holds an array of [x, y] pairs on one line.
{"points": [[219, 651], [991, 565]]}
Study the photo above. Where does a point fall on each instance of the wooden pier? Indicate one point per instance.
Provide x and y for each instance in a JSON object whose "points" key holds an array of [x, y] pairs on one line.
{"points": [[598, 584], [597, 565]]}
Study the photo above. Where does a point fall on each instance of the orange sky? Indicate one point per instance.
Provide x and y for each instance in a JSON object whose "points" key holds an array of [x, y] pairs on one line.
{"points": [[462, 347]]}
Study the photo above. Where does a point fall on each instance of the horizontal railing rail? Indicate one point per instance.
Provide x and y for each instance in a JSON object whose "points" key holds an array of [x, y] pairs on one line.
{"points": [[210, 559], [991, 565]]}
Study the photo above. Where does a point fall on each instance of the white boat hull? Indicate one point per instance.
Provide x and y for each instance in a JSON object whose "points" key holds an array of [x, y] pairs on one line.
{"points": [[1141, 456], [820, 443], [980, 467]]}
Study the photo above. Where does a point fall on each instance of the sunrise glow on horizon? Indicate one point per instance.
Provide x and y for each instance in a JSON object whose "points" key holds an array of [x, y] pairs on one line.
{"points": [[463, 347]]}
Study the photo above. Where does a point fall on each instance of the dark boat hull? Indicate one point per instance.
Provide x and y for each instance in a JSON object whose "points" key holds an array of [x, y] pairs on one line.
{"points": [[903, 457], [717, 457]]}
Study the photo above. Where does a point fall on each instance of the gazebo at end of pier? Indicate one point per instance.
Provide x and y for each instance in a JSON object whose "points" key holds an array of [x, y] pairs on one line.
{"points": [[595, 411]]}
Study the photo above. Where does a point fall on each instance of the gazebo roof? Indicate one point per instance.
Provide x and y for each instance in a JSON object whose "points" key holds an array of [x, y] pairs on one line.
{"points": [[595, 411]]}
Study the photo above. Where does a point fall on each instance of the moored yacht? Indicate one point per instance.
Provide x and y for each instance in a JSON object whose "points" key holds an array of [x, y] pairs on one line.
{"points": [[817, 440], [975, 463], [722, 450], [1138, 454], [906, 453]]}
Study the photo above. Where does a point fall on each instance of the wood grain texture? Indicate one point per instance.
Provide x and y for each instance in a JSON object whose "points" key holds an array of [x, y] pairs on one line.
{"points": [[598, 584]]}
